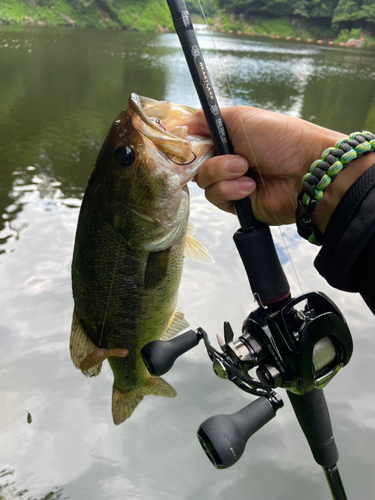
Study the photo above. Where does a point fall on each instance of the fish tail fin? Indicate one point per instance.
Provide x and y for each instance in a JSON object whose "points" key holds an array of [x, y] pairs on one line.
{"points": [[81, 346], [125, 402]]}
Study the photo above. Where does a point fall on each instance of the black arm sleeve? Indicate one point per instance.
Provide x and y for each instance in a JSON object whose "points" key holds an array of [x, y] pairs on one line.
{"points": [[347, 257]]}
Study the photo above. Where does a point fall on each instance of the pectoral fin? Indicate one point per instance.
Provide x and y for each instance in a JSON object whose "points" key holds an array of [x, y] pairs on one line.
{"points": [[156, 268], [194, 250], [125, 402], [81, 346]]}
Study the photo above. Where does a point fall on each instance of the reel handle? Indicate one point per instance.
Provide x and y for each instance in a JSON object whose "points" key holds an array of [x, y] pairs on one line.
{"points": [[224, 437], [160, 355]]}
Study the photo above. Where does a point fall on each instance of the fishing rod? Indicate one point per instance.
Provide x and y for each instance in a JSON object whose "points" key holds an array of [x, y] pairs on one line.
{"points": [[298, 343]]}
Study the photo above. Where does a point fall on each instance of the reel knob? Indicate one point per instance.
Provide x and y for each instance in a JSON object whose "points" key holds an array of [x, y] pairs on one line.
{"points": [[224, 437], [160, 355]]}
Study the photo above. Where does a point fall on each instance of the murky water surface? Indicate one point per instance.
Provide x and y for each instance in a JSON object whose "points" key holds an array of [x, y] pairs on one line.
{"points": [[59, 92]]}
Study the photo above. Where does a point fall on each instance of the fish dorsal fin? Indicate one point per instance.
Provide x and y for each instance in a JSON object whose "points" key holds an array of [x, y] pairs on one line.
{"points": [[194, 250], [125, 402], [81, 346], [176, 324]]}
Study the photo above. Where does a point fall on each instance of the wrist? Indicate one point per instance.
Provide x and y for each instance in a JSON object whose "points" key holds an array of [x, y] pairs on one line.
{"points": [[313, 210], [335, 191], [320, 139]]}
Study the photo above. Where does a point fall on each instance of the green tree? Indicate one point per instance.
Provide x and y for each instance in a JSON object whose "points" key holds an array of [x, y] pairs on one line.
{"points": [[209, 7], [297, 8], [351, 12]]}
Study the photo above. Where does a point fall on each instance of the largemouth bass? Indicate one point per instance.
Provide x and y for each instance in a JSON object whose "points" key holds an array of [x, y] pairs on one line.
{"points": [[131, 238]]}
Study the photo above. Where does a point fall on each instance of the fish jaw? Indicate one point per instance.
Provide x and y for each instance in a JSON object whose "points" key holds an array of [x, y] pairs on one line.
{"points": [[169, 146], [165, 159], [148, 214], [160, 114]]}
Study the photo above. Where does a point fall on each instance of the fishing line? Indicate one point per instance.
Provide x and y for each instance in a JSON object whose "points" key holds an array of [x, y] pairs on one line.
{"points": [[114, 270], [121, 241], [188, 163], [251, 150], [31, 412], [110, 288], [158, 122], [170, 159]]}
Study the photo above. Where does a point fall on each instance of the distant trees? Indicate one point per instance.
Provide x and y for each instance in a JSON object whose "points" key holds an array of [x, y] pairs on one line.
{"points": [[338, 13], [147, 15], [355, 13], [210, 7], [302, 8]]}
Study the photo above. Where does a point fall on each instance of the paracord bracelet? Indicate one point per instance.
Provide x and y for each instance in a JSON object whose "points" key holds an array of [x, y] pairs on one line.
{"points": [[322, 173]]}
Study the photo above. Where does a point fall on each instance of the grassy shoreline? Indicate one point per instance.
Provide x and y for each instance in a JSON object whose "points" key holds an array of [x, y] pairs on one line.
{"points": [[289, 29], [136, 15]]}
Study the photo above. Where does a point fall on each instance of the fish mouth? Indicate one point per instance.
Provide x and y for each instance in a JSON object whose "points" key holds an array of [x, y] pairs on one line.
{"points": [[161, 124], [160, 115]]}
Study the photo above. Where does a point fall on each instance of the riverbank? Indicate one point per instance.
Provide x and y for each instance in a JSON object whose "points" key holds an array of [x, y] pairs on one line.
{"points": [[292, 29], [137, 15], [152, 16]]}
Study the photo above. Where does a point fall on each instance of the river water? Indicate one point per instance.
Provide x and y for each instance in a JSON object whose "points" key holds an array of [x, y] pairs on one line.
{"points": [[60, 90]]}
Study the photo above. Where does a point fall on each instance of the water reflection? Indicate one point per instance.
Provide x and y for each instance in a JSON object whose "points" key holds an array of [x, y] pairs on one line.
{"points": [[281, 77], [56, 105], [8, 489]]}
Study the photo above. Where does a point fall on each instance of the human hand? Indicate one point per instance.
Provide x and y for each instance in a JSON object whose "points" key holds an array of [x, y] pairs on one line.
{"points": [[281, 147]]}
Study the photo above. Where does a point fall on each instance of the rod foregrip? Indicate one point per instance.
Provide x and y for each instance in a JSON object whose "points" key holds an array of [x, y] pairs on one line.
{"points": [[262, 265], [312, 413]]}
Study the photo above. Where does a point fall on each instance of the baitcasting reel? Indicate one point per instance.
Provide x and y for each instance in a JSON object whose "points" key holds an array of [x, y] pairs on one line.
{"points": [[300, 347]]}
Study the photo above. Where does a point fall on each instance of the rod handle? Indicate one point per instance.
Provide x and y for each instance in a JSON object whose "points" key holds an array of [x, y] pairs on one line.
{"points": [[312, 413], [263, 268]]}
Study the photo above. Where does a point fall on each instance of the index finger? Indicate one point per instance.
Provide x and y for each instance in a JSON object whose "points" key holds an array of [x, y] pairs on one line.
{"points": [[231, 116]]}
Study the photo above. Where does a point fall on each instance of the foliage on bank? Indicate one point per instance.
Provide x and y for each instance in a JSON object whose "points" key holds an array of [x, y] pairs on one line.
{"points": [[292, 29], [335, 20], [327, 19], [336, 14], [138, 15]]}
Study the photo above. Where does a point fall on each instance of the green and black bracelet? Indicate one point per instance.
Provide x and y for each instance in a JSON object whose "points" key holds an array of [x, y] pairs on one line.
{"points": [[322, 173]]}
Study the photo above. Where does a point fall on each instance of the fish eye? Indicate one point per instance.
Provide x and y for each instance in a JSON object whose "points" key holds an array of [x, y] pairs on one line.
{"points": [[124, 156]]}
